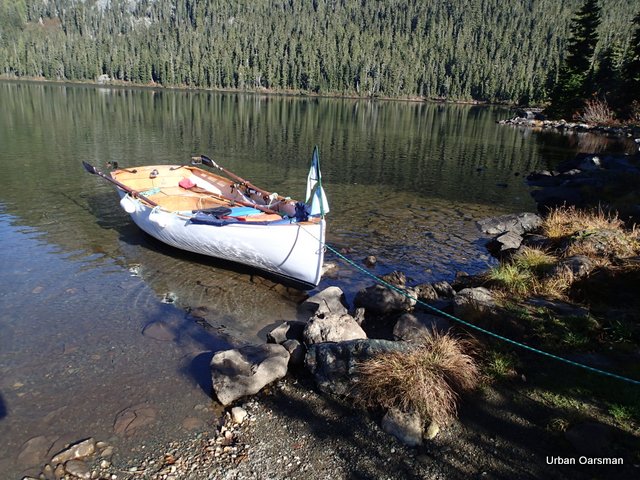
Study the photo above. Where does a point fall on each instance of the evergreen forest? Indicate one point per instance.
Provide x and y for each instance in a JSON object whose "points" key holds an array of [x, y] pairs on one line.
{"points": [[464, 50]]}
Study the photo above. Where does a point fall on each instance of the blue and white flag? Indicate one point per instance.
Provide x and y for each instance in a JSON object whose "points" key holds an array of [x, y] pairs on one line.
{"points": [[315, 193]]}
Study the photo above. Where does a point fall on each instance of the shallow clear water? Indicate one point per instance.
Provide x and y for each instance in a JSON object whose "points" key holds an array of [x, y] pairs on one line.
{"points": [[85, 330]]}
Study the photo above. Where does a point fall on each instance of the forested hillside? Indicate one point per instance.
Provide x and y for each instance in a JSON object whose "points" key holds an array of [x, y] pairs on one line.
{"points": [[489, 50]]}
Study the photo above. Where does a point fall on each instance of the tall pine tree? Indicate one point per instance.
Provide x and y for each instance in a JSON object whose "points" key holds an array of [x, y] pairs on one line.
{"points": [[574, 80], [631, 71]]}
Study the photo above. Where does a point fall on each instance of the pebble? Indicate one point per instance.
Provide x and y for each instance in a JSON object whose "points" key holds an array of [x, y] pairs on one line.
{"points": [[78, 468], [78, 450], [432, 431], [238, 414], [107, 452]]}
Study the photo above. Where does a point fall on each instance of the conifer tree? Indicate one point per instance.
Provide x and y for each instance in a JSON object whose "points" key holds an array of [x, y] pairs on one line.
{"points": [[574, 80], [631, 71]]}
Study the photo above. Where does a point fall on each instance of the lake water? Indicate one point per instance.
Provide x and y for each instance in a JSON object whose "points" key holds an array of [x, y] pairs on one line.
{"points": [[97, 319]]}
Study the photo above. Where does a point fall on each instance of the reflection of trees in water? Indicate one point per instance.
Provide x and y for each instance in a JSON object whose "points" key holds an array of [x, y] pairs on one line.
{"points": [[3, 408], [556, 147]]}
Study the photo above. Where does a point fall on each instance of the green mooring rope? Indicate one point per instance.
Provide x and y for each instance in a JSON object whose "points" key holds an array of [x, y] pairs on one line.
{"points": [[475, 327]]}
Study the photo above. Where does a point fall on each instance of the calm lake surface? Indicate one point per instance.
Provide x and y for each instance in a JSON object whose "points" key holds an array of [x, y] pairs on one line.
{"points": [[97, 318]]}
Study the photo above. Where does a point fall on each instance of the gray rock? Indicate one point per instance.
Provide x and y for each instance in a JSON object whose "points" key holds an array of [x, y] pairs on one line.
{"points": [[521, 223], [34, 451], [370, 261], [359, 315], [333, 365], [245, 371], [505, 244], [406, 427], [133, 418], [426, 293], [395, 278], [561, 308], [289, 330], [296, 351], [238, 414], [381, 300], [332, 328], [330, 300], [78, 469], [444, 289], [78, 450], [472, 304], [160, 331], [536, 241], [412, 327], [579, 265]]}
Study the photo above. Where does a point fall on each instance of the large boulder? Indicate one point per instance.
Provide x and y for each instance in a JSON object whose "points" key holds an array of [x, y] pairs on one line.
{"points": [[332, 328], [412, 327], [472, 304], [381, 300], [331, 300], [334, 365], [245, 371]]}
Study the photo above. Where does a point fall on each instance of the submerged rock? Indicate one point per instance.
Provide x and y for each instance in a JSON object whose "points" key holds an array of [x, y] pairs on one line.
{"points": [[82, 449], [330, 300]]}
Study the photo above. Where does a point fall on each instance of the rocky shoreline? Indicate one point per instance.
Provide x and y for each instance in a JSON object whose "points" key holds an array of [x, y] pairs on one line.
{"points": [[533, 118], [288, 406]]}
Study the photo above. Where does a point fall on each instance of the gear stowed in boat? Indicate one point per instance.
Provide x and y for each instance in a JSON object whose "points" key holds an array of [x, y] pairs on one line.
{"points": [[199, 211]]}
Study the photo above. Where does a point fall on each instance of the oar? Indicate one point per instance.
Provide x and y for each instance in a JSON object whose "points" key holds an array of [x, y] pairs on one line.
{"points": [[232, 201], [210, 163], [94, 171]]}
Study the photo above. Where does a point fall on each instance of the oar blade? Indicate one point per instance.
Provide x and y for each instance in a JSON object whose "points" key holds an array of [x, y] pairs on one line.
{"points": [[208, 162], [89, 168]]}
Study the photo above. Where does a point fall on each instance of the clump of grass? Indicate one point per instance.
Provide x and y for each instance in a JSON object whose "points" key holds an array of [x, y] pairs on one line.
{"points": [[524, 273], [568, 221], [557, 285], [499, 365], [426, 380], [534, 259], [512, 278]]}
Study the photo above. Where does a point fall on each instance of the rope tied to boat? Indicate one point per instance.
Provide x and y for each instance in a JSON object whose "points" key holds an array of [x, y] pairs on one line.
{"points": [[471, 325]]}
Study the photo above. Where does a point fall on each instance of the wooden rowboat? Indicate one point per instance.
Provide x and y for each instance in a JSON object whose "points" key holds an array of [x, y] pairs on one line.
{"points": [[196, 210]]}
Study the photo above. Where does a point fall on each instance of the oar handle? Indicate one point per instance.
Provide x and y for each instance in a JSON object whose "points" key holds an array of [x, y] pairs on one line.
{"points": [[210, 163], [94, 171]]}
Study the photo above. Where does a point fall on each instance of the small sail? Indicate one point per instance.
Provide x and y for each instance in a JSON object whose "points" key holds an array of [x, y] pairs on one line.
{"points": [[315, 193]]}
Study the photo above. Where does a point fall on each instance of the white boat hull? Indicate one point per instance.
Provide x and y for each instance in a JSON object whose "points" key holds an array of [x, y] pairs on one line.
{"points": [[291, 250]]}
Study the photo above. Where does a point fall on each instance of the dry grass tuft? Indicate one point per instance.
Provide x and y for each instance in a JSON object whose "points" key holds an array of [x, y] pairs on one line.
{"points": [[598, 111], [568, 221], [426, 380], [556, 286]]}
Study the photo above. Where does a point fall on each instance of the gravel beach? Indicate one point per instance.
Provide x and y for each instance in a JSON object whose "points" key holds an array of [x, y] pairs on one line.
{"points": [[293, 432]]}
